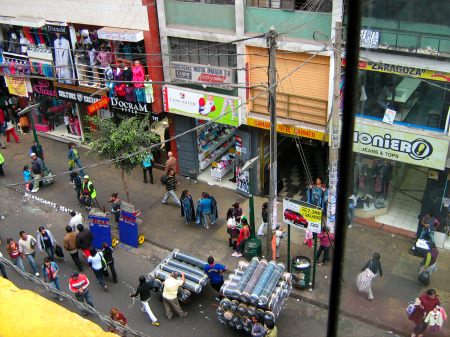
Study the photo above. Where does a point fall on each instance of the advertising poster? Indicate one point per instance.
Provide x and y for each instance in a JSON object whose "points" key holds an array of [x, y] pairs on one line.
{"points": [[302, 215], [188, 72], [202, 105], [16, 86], [243, 181]]}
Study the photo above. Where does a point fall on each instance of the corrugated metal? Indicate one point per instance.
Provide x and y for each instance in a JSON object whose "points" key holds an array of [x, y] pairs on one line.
{"points": [[303, 96]]}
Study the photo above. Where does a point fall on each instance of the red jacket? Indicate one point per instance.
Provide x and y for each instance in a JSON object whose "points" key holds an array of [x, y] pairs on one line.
{"points": [[429, 303], [243, 234], [81, 282]]}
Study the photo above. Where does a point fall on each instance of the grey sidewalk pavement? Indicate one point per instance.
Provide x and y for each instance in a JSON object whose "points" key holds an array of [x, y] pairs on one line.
{"points": [[164, 227]]}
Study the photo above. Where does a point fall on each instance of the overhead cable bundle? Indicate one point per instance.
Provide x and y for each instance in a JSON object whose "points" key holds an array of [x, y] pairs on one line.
{"points": [[258, 288]]}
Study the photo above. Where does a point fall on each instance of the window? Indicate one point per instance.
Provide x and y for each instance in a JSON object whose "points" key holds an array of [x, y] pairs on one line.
{"points": [[298, 5], [203, 52], [214, 2]]}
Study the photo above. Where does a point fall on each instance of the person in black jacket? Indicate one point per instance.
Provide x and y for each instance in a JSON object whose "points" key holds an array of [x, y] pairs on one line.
{"points": [[264, 215], [144, 291], [84, 240], [171, 184], [108, 255]]}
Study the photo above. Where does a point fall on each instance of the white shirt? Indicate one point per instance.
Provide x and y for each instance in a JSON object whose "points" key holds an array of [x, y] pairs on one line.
{"points": [[76, 220], [171, 286], [96, 261], [279, 234], [66, 120], [25, 245]]}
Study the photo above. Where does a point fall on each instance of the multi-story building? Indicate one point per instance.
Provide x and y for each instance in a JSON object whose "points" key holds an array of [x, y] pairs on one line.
{"points": [[402, 128], [202, 47], [72, 57]]}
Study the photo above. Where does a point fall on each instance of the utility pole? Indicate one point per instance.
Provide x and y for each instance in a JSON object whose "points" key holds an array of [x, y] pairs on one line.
{"points": [[335, 129], [273, 214]]}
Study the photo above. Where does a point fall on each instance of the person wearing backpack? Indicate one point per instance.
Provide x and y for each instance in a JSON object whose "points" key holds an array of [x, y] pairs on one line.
{"points": [[98, 264], [27, 243]]}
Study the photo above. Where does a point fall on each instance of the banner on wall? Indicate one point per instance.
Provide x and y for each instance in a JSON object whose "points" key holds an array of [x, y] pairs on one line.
{"points": [[302, 215], [406, 147], [17, 86], [43, 87], [189, 72], [202, 105]]}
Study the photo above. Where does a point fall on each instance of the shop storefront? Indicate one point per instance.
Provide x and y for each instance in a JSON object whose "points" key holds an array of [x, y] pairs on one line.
{"points": [[214, 152], [399, 174]]}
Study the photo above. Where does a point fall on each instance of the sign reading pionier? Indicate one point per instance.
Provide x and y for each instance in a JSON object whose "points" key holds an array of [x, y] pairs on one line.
{"points": [[407, 147]]}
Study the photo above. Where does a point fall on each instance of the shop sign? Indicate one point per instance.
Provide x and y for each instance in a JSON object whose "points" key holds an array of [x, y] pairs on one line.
{"points": [[57, 29], [288, 129], [406, 147], [17, 86], [202, 105], [119, 34], [369, 38], [302, 215], [188, 72], [43, 87], [77, 96], [97, 105], [118, 104]]}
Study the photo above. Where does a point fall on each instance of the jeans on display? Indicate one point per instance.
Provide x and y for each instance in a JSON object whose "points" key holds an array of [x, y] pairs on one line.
{"points": [[99, 275], [172, 194], [149, 311], [32, 262], [50, 252], [19, 263]]}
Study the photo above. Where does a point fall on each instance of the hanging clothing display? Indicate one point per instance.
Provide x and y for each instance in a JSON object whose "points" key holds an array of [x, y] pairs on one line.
{"points": [[148, 92], [140, 95], [129, 94], [138, 75], [63, 60]]}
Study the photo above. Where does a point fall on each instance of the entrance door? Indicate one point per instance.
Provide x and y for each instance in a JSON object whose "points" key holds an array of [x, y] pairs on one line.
{"points": [[187, 147]]}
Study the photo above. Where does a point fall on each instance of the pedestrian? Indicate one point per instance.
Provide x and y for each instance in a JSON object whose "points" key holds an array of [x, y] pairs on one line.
{"points": [[10, 131], [37, 148], [84, 240], [429, 260], [3, 269], [147, 165], [237, 212], [244, 234], [37, 168], [120, 318], [70, 244], [272, 330], [264, 216], [74, 158], [27, 243], [352, 202], [2, 161], [12, 247], [276, 240], [144, 291], [429, 300], [171, 163], [50, 274], [46, 241], [77, 185], [258, 329], [67, 122], [324, 198], [98, 264], [109, 259], [232, 229], [78, 284], [75, 220], [326, 238], [27, 178], [187, 207], [170, 295], [214, 272], [314, 193], [429, 225], [171, 183], [115, 206], [205, 207], [368, 273], [88, 193]]}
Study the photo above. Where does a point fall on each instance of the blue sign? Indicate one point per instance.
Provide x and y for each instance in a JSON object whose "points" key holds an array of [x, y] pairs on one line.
{"points": [[100, 229], [128, 229]]}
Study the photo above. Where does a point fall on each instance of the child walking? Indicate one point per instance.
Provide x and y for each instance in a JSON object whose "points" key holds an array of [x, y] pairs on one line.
{"points": [[27, 178]]}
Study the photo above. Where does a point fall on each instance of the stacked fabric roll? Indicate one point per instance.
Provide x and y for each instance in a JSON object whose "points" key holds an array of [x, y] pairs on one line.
{"points": [[258, 288], [179, 262]]}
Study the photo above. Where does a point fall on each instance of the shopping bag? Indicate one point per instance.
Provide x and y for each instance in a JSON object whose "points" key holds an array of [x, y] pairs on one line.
{"points": [[58, 251], [424, 278]]}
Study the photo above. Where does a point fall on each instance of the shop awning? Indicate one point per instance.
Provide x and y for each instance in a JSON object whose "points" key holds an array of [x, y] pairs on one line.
{"points": [[22, 21], [120, 34]]}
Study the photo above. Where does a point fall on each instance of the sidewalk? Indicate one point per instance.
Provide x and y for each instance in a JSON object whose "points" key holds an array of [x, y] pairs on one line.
{"points": [[164, 227]]}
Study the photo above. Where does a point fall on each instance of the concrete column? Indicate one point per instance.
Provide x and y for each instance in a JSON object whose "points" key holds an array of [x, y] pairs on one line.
{"points": [[163, 39], [239, 10]]}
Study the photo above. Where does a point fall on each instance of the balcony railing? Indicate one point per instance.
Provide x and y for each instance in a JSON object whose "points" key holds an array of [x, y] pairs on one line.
{"points": [[90, 76]]}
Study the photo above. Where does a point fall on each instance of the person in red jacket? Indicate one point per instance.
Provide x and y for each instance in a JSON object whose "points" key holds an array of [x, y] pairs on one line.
{"points": [[326, 238], [120, 318], [244, 234], [78, 284], [429, 301]]}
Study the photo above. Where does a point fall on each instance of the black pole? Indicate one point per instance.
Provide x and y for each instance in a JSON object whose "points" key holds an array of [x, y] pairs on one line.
{"points": [[353, 15]]}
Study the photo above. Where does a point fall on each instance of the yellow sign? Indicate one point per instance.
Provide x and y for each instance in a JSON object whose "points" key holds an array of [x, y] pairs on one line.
{"points": [[302, 215], [288, 129], [406, 147], [16, 86], [405, 71]]}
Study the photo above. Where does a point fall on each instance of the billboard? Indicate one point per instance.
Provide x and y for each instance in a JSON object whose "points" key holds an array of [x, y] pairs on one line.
{"points": [[302, 215]]}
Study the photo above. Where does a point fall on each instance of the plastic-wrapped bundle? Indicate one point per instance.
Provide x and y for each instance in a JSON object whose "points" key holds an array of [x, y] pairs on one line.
{"points": [[186, 268], [247, 274], [251, 310], [225, 303], [202, 280], [189, 259], [234, 278], [234, 305], [195, 287], [220, 311], [243, 265], [228, 289], [239, 272], [245, 295], [262, 282], [271, 284], [242, 308], [287, 277], [222, 319]]}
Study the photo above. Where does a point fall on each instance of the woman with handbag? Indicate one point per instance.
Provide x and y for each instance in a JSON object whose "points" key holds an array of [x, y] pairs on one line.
{"points": [[368, 273]]}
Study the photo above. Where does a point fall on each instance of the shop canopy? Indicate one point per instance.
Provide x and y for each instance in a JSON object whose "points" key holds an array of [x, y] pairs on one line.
{"points": [[22, 21], [120, 34]]}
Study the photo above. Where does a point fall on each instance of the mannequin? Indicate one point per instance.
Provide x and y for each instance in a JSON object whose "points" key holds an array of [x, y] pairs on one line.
{"points": [[148, 90], [63, 60], [127, 74], [24, 43], [138, 74], [14, 46]]}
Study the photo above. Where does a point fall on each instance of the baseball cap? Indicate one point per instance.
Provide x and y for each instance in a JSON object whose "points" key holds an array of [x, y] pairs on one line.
{"points": [[86, 177], [75, 274], [32, 154]]}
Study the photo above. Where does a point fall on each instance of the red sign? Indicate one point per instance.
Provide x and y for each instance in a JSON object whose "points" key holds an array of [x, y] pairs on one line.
{"points": [[97, 105]]}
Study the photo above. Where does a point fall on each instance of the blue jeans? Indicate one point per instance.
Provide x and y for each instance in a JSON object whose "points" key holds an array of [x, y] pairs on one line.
{"points": [[425, 234], [55, 283], [50, 252], [78, 162], [32, 262], [87, 297], [99, 275], [19, 263]]}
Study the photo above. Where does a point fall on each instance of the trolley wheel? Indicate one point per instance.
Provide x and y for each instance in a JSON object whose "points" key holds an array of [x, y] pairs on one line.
{"points": [[114, 241], [141, 239]]}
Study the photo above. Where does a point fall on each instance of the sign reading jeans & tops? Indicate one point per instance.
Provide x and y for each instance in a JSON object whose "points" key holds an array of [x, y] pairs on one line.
{"points": [[202, 105], [406, 147]]}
